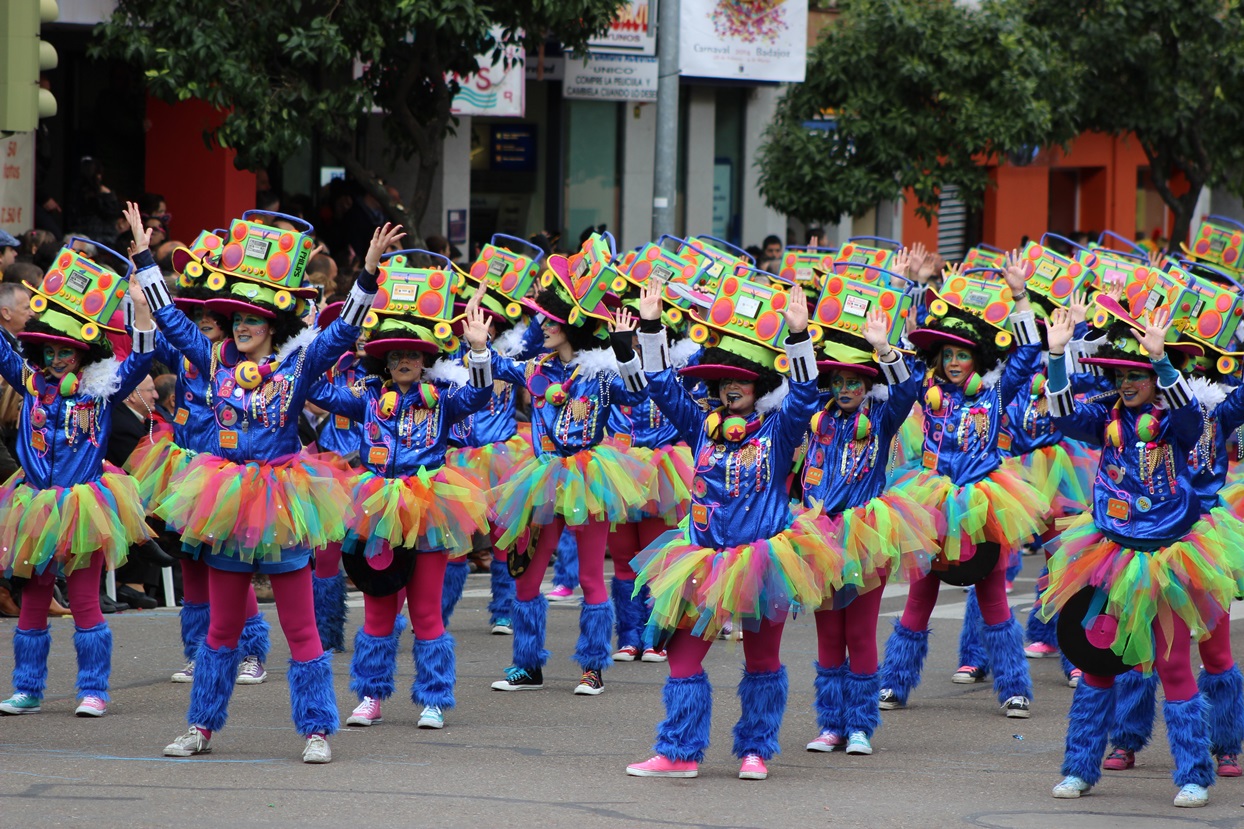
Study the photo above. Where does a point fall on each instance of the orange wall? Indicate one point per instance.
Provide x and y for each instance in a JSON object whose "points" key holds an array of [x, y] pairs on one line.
{"points": [[202, 187]]}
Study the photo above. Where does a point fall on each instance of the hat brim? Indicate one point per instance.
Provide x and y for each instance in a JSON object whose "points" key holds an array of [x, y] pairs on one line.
{"points": [[712, 371], [826, 366], [560, 266], [330, 313], [186, 304], [926, 338], [56, 339], [379, 348], [236, 306], [531, 306], [1112, 362]]}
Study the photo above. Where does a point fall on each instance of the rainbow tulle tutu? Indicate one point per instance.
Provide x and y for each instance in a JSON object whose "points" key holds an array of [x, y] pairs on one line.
{"points": [[1063, 473], [66, 525], [1192, 578], [890, 536], [703, 589], [256, 510], [597, 484], [436, 510], [669, 497], [490, 466], [1001, 508], [154, 465]]}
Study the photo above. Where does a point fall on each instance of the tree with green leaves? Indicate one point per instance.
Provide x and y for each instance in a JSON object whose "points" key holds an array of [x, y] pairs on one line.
{"points": [[911, 94], [286, 70], [1171, 74]]}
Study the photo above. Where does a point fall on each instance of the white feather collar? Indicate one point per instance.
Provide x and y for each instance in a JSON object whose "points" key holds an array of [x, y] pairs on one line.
{"points": [[991, 378], [510, 343], [596, 361], [772, 401], [1208, 393], [682, 351], [449, 371], [101, 379], [879, 391], [300, 340]]}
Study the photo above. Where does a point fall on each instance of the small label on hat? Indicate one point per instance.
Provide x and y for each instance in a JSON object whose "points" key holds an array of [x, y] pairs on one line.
{"points": [[1117, 509], [228, 440]]}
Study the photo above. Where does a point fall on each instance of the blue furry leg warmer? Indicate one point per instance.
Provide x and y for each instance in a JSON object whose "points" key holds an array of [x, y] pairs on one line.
{"points": [[1224, 694], [905, 652], [30, 661], [1038, 631], [436, 670], [859, 692], [312, 701], [374, 662], [1188, 734], [94, 647], [194, 619], [254, 640], [1004, 643], [501, 605], [566, 565], [683, 734], [971, 649], [1135, 706], [455, 582], [628, 612], [215, 670], [1087, 731], [762, 698], [592, 651], [330, 611], [829, 704], [530, 620]]}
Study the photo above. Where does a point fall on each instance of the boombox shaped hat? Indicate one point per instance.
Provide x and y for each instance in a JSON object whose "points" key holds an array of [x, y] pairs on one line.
{"points": [[1220, 242], [971, 293], [269, 256], [582, 282], [508, 265], [81, 298]]}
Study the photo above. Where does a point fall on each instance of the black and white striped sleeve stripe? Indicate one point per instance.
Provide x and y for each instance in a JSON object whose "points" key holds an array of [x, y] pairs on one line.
{"points": [[144, 341], [655, 351], [895, 372], [154, 287], [632, 373], [1062, 402], [802, 358], [1178, 394], [480, 366], [1024, 327], [356, 307]]}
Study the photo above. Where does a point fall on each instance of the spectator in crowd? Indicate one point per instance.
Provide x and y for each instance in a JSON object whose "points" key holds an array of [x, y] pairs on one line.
{"points": [[437, 244], [361, 221], [14, 311], [24, 273], [156, 217], [9, 248], [268, 200], [771, 254], [96, 210], [166, 396]]}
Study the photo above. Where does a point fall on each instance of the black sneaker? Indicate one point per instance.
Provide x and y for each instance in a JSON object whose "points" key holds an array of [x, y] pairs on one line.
{"points": [[1016, 707], [887, 700], [591, 684], [520, 679], [968, 675]]}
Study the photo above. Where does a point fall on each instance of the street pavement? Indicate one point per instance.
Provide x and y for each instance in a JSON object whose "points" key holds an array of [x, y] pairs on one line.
{"points": [[551, 759]]}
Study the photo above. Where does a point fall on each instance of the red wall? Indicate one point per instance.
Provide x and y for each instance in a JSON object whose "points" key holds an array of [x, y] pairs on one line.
{"points": [[202, 187]]}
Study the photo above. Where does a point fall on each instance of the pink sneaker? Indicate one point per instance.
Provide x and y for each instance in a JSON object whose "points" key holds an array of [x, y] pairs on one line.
{"points": [[366, 713], [1119, 759], [91, 707], [1040, 650], [753, 768], [828, 741], [1074, 679], [661, 766], [560, 593]]}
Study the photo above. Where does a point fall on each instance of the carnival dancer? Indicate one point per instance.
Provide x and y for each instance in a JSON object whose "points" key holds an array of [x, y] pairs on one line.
{"points": [[883, 532], [740, 556], [408, 504], [260, 505], [989, 510], [65, 511], [576, 480], [1158, 573], [194, 429], [1220, 682]]}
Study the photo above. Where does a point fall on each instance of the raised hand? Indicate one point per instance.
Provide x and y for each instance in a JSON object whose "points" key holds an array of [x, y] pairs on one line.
{"points": [[624, 321], [1059, 330], [475, 327], [142, 235], [380, 241], [650, 300], [1078, 307], [877, 330], [796, 310], [1016, 272], [917, 255], [902, 263], [1153, 340]]}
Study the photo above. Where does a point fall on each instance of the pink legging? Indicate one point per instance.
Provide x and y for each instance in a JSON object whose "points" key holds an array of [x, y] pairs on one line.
{"points": [[1174, 669], [591, 538], [990, 594], [628, 539], [328, 561], [423, 591], [294, 607], [1216, 650], [83, 585], [196, 586], [852, 629], [761, 650]]}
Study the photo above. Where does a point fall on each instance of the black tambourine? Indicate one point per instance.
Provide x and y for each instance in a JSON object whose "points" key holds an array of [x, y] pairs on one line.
{"points": [[972, 571], [380, 575]]}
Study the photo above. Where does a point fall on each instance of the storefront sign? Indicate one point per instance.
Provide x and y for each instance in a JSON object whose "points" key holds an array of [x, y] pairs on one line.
{"points": [[513, 148], [611, 78], [633, 31], [751, 40], [497, 88], [17, 182]]}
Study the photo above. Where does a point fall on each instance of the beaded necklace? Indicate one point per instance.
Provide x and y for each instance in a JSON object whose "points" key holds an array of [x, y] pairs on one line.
{"points": [[756, 455]]}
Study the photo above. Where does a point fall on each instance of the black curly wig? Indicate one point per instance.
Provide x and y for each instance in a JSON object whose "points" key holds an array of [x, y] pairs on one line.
{"points": [[582, 337], [986, 351], [204, 294], [767, 381], [95, 352]]}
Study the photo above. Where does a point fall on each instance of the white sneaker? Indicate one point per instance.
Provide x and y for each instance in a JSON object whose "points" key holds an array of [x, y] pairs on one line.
{"points": [[251, 671], [432, 717], [189, 744], [1071, 787], [186, 674], [366, 713], [858, 743], [1192, 796], [1017, 707], [317, 750]]}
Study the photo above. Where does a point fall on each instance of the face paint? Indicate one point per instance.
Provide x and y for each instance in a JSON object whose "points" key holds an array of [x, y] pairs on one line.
{"points": [[957, 363], [60, 360], [738, 396], [251, 333], [405, 367], [1136, 386], [848, 389]]}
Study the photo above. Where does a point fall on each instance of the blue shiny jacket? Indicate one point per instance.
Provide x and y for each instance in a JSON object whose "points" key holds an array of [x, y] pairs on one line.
{"points": [[494, 422], [62, 440], [194, 427], [1210, 456], [961, 438], [739, 491], [643, 425], [1143, 495], [841, 473], [591, 390], [340, 434]]}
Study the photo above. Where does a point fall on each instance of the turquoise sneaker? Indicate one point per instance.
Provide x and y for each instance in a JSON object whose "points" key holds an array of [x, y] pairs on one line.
{"points": [[21, 704]]}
